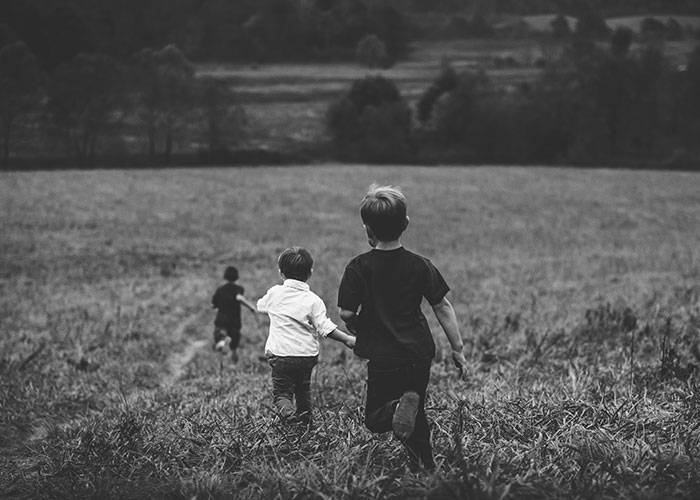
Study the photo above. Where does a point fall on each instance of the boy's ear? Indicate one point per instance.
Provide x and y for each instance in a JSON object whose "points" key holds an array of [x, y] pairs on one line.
{"points": [[371, 238], [405, 224]]}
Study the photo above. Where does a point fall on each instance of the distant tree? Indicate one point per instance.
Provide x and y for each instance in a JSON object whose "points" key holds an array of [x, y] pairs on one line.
{"points": [[459, 27], [621, 41], [445, 82], [7, 35], [560, 27], [165, 88], [653, 28], [479, 26], [223, 117], [690, 100], [84, 96], [674, 30], [371, 121], [389, 25], [54, 31], [276, 29], [590, 23], [20, 81], [651, 112], [371, 52], [458, 113]]}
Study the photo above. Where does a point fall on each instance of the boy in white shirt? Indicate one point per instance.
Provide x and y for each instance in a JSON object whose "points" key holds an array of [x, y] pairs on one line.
{"points": [[297, 318]]}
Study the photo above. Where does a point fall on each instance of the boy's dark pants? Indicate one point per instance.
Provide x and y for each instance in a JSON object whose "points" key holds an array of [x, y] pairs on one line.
{"points": [[386, 383], [291, 378]]}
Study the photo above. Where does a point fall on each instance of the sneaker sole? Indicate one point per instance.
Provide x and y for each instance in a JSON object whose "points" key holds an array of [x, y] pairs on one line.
{"points": [[404, 420]]}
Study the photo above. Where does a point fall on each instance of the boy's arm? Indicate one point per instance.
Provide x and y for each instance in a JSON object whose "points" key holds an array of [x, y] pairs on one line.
{"points": [[445, 314], [350, 319], [240, 298], [343, 337]]}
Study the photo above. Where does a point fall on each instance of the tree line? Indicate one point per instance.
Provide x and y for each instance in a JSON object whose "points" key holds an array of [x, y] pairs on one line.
{"points": [[154, 98], [80, 91], [593, 105], [205, 30], [265, 30]]}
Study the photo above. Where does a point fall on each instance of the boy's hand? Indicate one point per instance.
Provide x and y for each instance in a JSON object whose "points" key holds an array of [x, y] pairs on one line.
{"points": [[350, 342], [460, 363]]}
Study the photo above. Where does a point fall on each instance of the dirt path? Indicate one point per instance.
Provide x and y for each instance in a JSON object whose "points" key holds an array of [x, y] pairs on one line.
{"points": [[175, 369]]}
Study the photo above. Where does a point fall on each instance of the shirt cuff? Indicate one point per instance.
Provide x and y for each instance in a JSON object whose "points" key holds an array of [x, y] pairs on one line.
{"points": [[326, 327]]}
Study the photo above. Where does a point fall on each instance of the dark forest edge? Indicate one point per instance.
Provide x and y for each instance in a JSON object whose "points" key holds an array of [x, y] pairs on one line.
{"points": [[91, 99]]}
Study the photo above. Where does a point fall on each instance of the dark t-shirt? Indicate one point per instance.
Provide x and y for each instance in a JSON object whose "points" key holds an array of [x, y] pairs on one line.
{"points": [[388, 286], [228, 313]]}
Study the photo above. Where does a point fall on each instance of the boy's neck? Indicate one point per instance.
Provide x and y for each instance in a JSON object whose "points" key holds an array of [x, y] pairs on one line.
{"points": [[388, 245]]}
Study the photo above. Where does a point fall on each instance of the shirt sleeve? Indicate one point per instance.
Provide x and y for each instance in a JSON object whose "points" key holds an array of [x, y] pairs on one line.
{"points": [[319, 318], [350, 290], [434, 285], [263, 302]]}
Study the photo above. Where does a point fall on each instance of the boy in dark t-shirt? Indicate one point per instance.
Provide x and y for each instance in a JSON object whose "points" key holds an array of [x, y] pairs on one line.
{"points": [[227, 301], [380, 299]]}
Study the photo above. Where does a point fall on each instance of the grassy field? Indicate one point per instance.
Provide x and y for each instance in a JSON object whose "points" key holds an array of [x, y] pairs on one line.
{"points": [[577, 292]]}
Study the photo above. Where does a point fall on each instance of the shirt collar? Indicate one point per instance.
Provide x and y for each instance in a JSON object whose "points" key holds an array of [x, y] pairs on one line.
{"points": [[296, 284]]}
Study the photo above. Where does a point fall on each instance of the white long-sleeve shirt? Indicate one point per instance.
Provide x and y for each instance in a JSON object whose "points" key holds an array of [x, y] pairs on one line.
{"points": [[297, 317]]}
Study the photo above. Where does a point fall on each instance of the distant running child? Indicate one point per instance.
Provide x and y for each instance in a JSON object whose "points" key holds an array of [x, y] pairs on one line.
{"points": [[297, 318], [380, 299], [227, 301]]}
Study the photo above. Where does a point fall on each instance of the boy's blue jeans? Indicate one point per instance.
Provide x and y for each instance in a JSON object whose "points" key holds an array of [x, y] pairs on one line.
{"points": [[386, 383], [291, 380]]}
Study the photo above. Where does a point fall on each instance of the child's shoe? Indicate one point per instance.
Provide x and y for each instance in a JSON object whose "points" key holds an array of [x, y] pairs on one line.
{"points": [[404, 419], [222, 345]]}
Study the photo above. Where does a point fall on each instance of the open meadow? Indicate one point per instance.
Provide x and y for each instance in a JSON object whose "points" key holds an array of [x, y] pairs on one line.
{"points": [[577, 293]]}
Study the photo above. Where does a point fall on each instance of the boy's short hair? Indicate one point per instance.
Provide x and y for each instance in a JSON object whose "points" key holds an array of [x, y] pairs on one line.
{"points": [[231, 274], [296, 263], [383, 210]]}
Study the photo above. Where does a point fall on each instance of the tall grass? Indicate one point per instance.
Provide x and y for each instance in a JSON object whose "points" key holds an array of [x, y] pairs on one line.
{"points": [[577, 294]]}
